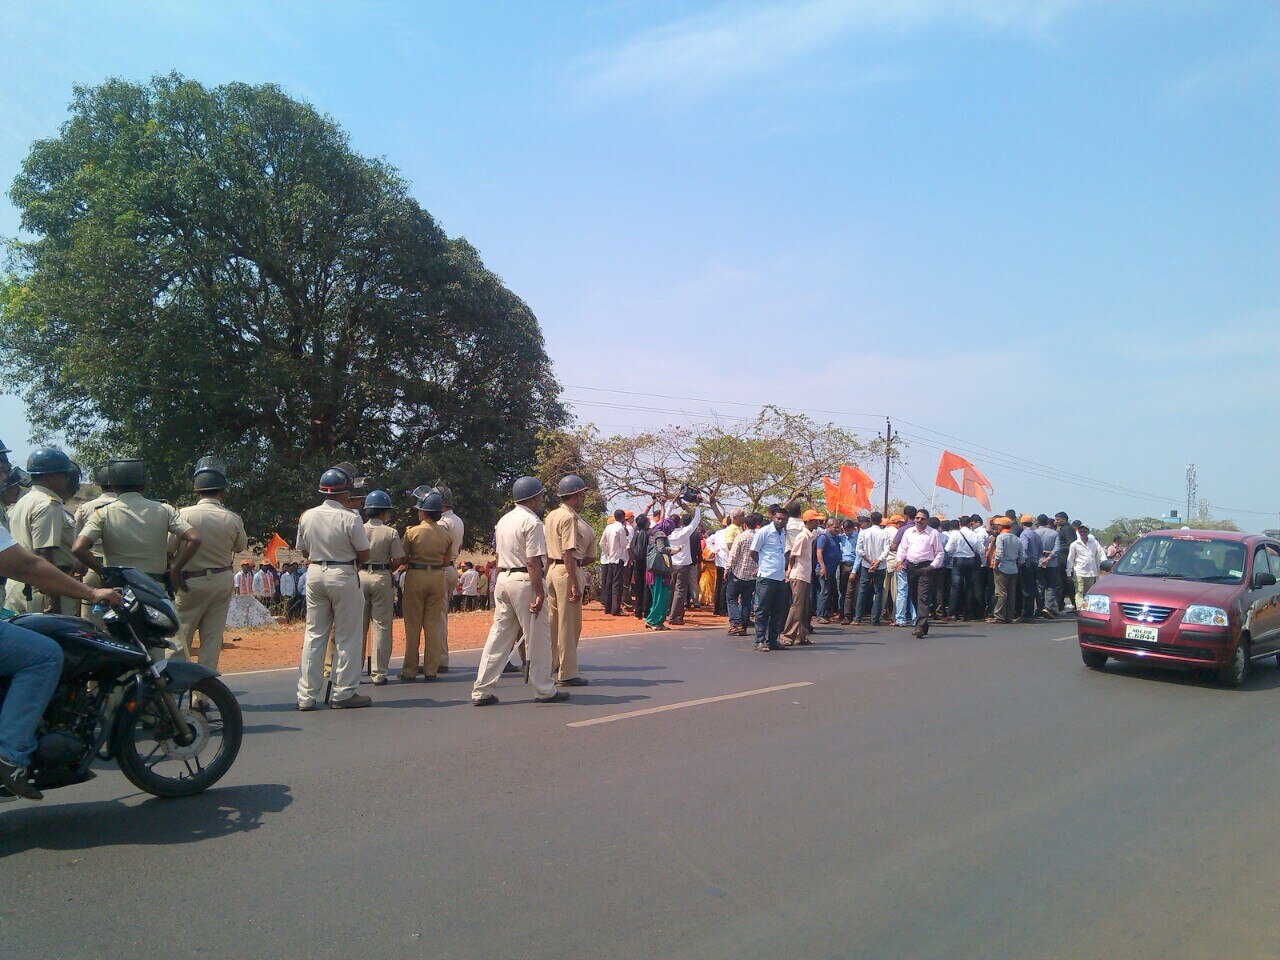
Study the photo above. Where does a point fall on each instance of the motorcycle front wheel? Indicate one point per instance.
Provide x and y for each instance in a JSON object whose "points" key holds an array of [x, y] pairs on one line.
{"points": [[154, 761]]}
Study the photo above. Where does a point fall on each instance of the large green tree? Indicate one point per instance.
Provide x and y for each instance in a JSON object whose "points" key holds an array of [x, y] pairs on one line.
{"points": [[216, 270]]}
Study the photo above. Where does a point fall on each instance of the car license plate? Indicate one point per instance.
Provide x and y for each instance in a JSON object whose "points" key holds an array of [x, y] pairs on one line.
{"points": [[1143, 634]]}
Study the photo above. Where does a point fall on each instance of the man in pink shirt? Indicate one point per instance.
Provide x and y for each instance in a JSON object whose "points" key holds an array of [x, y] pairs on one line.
{"points": [[920, 554]]}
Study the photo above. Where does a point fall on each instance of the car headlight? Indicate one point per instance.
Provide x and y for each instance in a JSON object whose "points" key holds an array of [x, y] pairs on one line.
{"points": [[1096, 603], [1205, 616]]}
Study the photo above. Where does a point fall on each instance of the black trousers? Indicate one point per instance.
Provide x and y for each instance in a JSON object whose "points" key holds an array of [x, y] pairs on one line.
{"points": [[721, 609], [920, 589], [611, 580], [639, 590]]}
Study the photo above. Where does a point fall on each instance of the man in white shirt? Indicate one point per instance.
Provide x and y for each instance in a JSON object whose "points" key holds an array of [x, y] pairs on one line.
{"points": [[244, 579], [1084, 562], [965, 548], [684, 583], [613, 563], [469, 581], [872, 550], [264, 585], [800, 575], [721, 550]]}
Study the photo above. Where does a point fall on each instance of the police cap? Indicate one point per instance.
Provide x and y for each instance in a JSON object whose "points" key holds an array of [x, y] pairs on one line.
{"points": [[335, 480], [48, 460], [377, 500], [209, 473], [127, 473], [432, 502], [526, 488], [570, 485]]}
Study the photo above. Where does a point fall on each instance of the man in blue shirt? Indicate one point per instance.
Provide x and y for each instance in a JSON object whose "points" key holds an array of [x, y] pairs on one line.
{"points": [[1030, 572], [773, 596], [848, 581], [828, 551]]}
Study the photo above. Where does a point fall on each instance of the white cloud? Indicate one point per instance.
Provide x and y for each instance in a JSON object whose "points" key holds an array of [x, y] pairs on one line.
{"points": [[740, 39]]}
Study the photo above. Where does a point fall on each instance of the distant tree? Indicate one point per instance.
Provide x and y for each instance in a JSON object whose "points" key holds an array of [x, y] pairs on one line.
{"points": [[778, 455], [1129, 529], [216, 270]]}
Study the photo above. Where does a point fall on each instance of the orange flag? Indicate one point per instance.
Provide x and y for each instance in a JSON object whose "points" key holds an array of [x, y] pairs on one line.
{"points": [[851, 494], [971, 483], [274, 544]]}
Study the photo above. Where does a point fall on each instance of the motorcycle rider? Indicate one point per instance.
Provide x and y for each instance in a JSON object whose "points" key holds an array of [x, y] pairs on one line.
{"points": [[39, 522], [32, 663]]}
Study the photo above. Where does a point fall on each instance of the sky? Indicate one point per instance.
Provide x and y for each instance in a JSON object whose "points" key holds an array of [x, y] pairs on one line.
{"points": [[1043, 234]]}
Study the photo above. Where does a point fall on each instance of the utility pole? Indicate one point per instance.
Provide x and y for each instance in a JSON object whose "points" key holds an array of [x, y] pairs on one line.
{"points": [[889, 438], [1191, 491]]}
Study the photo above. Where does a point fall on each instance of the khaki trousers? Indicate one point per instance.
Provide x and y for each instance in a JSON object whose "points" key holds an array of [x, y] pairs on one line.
{"points": [[424, 610], [334, 601], [93, 581], [450, 581], [379, 610], [202, 609], [16, 601], [1083, 585], [565, 620], [797, 625], [512, 595], [1006, 584]]}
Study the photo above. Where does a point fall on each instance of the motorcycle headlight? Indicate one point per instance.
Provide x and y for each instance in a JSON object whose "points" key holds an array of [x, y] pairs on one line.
{"points": [[159, 618], [1096, 603], [1204, 616]]}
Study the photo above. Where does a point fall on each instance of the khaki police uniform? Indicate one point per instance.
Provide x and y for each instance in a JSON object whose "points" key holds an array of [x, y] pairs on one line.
{"points": [[519, 538], [134, 532], [202, 606], [565, 530], [38, 521], [428, 548], [331, 536], [91, 577], [451, 522], [385, 551]]}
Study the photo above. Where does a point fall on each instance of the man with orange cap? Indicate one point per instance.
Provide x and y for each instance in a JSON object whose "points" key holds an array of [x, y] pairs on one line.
{"points": [[1007, 557], [800, 576]]}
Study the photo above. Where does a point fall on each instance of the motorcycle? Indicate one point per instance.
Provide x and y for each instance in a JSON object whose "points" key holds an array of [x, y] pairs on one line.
{"points": [[172, 726]]}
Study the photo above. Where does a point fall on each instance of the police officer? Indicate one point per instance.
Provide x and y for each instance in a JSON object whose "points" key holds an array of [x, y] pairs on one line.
{"points": [[333, 540], [134, 531], [204, 592], [83, 512], [428, 551], [15, 486], [570, 546], [39, 522], [451, 522], [386, 556], [518, 596]]}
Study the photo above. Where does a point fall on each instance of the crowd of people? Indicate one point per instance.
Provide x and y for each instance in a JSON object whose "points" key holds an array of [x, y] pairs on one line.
{"points": [[781, 570]]}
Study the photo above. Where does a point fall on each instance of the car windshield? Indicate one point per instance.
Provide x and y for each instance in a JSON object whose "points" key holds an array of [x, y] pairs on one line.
{"points": [[1184, 558]]}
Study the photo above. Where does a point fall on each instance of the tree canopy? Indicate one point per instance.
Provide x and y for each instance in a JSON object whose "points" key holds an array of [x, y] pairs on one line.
{"points": [[217, 271], [778, 455]]}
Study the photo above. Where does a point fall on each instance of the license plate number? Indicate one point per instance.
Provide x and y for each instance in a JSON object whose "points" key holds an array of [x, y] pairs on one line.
{"points": [[1142, 634]]}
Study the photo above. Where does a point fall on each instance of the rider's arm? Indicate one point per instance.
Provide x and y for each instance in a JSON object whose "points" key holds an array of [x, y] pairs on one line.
{"points": [[19, 563]]}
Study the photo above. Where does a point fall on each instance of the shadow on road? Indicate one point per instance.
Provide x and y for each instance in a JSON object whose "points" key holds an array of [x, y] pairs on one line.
{"points": [[629, 682], [1261, 677], [616, 669], [107, 823]]}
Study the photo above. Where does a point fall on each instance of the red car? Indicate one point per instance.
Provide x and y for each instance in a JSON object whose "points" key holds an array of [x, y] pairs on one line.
{"points": [[1189, 598]]}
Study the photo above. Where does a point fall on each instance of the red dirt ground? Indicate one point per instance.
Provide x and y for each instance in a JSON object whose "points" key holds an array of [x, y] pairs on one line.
{"points": [[262, 648]]}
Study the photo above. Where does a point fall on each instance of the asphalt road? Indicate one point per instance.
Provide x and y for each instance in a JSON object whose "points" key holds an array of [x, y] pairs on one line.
{"points": [[975, 794]]}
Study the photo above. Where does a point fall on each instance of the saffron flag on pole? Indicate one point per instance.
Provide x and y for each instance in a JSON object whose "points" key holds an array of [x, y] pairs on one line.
{"points": [[851, 494], [274, 544], [971, 482]]}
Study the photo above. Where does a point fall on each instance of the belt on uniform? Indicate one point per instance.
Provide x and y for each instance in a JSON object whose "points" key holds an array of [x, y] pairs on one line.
{"points": [[205, 573], [513, 569], [554, 562], [334, 563], [426, 566], [376, 567]]}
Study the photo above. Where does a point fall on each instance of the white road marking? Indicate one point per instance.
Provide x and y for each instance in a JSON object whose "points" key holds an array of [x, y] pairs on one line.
{"points": [[1060, 639], [688, 703]]}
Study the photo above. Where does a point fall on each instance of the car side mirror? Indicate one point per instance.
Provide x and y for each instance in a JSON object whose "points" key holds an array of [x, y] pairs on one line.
{"points": [[1106, 565], [1263, 580]]}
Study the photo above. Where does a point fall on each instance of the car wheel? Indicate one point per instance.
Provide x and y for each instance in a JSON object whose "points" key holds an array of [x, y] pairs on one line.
{"points": [[1093, 660], [1236, 672]]}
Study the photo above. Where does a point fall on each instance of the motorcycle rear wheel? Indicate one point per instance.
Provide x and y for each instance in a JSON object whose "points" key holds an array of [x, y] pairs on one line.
{"points": [[153, 761]]}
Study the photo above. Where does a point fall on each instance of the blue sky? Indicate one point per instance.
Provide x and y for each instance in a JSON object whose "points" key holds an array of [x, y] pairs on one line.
{"points": [[1041, 233]]}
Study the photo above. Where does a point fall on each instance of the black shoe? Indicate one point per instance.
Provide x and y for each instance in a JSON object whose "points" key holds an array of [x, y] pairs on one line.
{"points": [[511, 668], [487, 700], [574, 682], [353, 702], [443, 668], [14, 779], [560, 696], [404, 679], [775, 645]]}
